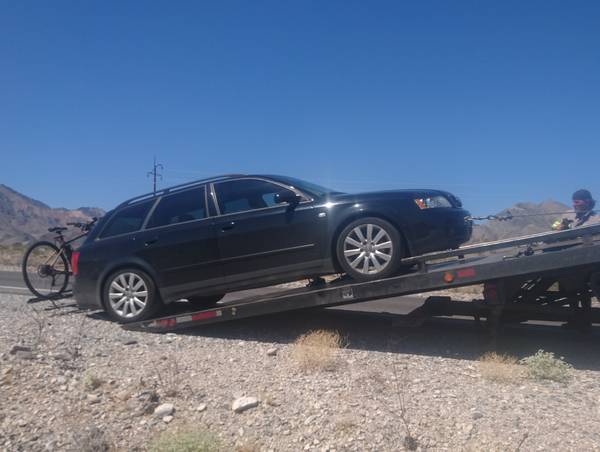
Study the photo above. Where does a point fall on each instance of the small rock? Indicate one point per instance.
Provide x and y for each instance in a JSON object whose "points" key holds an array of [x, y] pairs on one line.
{"points": [[167, 419], [93, 398], [23, 354], [477, 415], [129, 341], [62, 357], [164, 410], [19, 348], [272, 352], [244, 403], [200, 408]]}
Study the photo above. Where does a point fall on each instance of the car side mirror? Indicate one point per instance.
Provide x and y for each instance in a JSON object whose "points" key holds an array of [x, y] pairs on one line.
{"points": [[287, 196]]}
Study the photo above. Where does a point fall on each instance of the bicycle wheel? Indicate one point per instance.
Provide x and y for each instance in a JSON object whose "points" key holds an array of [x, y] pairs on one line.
{"points": [[45, 270]]}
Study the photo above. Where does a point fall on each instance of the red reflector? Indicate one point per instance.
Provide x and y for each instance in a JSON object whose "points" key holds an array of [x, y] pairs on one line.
{"points": [[75, 263], [466, 273], [167, 322], [204, 315], [448, 277]]}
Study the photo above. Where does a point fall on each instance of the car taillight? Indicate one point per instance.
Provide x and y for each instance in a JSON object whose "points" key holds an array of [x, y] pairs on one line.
{"points": [[75, 262]]}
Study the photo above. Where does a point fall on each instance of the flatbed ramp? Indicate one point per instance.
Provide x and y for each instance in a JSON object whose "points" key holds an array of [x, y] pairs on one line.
{"points": [[542, 276]]}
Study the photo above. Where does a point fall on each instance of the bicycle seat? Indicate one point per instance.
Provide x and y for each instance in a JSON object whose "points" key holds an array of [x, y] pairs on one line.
{"points": [[57, 229]]}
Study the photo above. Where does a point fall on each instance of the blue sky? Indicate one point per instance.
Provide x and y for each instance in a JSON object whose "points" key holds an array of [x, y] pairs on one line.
{"points": [[496, 101]]}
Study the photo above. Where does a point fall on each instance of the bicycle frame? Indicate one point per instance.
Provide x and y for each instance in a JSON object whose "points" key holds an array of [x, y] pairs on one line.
{"points": [[64, 246]]}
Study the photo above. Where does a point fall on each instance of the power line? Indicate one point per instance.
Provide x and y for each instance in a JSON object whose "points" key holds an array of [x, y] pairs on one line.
{"points": [[154, 173]]}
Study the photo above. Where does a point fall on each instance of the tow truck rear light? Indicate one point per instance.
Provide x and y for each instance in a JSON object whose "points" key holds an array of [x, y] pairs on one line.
{"points": [[75, 262]]}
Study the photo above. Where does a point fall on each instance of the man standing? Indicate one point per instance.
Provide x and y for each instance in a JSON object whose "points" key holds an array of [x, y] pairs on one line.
{"points": [[576, 285], [584, 215]]}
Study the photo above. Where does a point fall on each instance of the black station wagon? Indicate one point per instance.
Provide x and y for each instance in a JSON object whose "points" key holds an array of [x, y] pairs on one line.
{"points": [[200, 240]]}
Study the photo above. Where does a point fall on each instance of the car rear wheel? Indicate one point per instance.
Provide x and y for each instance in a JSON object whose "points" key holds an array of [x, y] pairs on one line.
{"points": [[130, 295], [205, 301], [369, 248]]}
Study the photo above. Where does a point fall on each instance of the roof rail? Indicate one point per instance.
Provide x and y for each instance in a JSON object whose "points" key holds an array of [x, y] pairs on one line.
{"points": [[175, 188]]}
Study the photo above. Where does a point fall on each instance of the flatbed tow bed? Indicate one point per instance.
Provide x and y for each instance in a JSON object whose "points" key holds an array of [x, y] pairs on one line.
{"points": [[519, 285]]}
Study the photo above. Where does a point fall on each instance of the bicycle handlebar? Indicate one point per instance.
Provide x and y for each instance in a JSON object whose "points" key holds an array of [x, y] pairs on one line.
{"points": [[84, 226]]}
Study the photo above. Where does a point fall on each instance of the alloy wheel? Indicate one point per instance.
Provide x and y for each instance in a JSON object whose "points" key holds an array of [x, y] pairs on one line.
{"points": [[368, 249], [128, 294]]}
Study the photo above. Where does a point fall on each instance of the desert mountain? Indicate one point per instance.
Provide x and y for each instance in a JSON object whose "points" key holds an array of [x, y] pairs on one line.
{"points": [[529, 218], [23, 219]]}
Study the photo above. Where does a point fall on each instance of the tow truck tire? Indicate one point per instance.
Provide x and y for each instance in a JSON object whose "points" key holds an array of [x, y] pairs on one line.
{"points": [[130, 295], [369, 248], [206, 301]]}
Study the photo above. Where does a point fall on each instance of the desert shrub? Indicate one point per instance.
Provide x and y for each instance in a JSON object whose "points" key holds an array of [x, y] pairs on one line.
{"points": [[91, 381], [92, 439], [544, 366]]}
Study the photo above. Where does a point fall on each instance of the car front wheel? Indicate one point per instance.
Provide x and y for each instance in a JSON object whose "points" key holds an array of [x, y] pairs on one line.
{"points": [[369, 248], [130, 295]]}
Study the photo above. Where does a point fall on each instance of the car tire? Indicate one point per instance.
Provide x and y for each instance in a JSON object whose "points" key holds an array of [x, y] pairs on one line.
{"points": [[130, 295], [206, 301], [369, 248]]}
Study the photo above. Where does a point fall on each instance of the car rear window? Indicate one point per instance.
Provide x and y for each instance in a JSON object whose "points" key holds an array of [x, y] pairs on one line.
{"points": [[188, 205], [129, 219]]}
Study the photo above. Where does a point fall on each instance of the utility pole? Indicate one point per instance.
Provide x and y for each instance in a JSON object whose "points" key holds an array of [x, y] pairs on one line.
{"points": [[154, 173]]}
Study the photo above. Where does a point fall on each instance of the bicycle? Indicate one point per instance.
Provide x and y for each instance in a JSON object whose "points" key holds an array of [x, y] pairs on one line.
{"points": [[47, 266]]}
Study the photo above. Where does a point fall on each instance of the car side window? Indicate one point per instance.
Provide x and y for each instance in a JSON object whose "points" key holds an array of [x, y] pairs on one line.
{"points": [[246, 194], [180, 207], [129, 219]]}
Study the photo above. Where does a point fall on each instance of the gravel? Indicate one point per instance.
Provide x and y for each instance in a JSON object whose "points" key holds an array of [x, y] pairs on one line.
{"points": [[86, 383]]}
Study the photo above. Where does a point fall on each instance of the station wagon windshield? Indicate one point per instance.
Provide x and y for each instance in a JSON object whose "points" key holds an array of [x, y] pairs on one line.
{"points": [[308, 187]]}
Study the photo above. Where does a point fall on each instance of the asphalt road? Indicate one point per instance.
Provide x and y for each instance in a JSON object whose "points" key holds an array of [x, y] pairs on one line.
{"points": [[12, 282]]}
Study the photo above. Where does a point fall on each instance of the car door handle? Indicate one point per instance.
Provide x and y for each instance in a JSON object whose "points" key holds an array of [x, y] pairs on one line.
{"points": [[228, 227], [151, 241]]}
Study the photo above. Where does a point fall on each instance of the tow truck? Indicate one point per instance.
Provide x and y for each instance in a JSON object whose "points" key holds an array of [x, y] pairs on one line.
{"points": [[522, 280]]}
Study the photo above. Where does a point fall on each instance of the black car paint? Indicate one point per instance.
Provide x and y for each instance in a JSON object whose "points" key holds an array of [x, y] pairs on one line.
{"points": [[260, 247]]}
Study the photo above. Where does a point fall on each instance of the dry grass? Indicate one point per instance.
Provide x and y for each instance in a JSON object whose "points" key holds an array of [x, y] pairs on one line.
{"points": [[317, 350], [92, 382], [345, 425], [170, 380], [12, 255], [186, 440], [93, 439], [248, 446], [500, 368]]}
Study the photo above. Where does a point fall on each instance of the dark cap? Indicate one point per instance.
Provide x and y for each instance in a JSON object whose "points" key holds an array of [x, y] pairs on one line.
{"points": [[583, 195]]}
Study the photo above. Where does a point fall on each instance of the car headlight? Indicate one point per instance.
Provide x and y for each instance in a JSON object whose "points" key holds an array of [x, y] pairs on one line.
{"points": [[432, 202]]}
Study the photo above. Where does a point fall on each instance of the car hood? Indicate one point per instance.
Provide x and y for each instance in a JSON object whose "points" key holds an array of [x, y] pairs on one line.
{"points": [[385, 195]]}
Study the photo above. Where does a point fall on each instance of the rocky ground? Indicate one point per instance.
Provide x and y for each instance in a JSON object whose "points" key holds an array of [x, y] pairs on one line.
{"points": [[74, 381]]}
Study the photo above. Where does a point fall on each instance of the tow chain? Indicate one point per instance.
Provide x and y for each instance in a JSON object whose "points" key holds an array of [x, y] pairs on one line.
{"points": [[510, 216]]}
